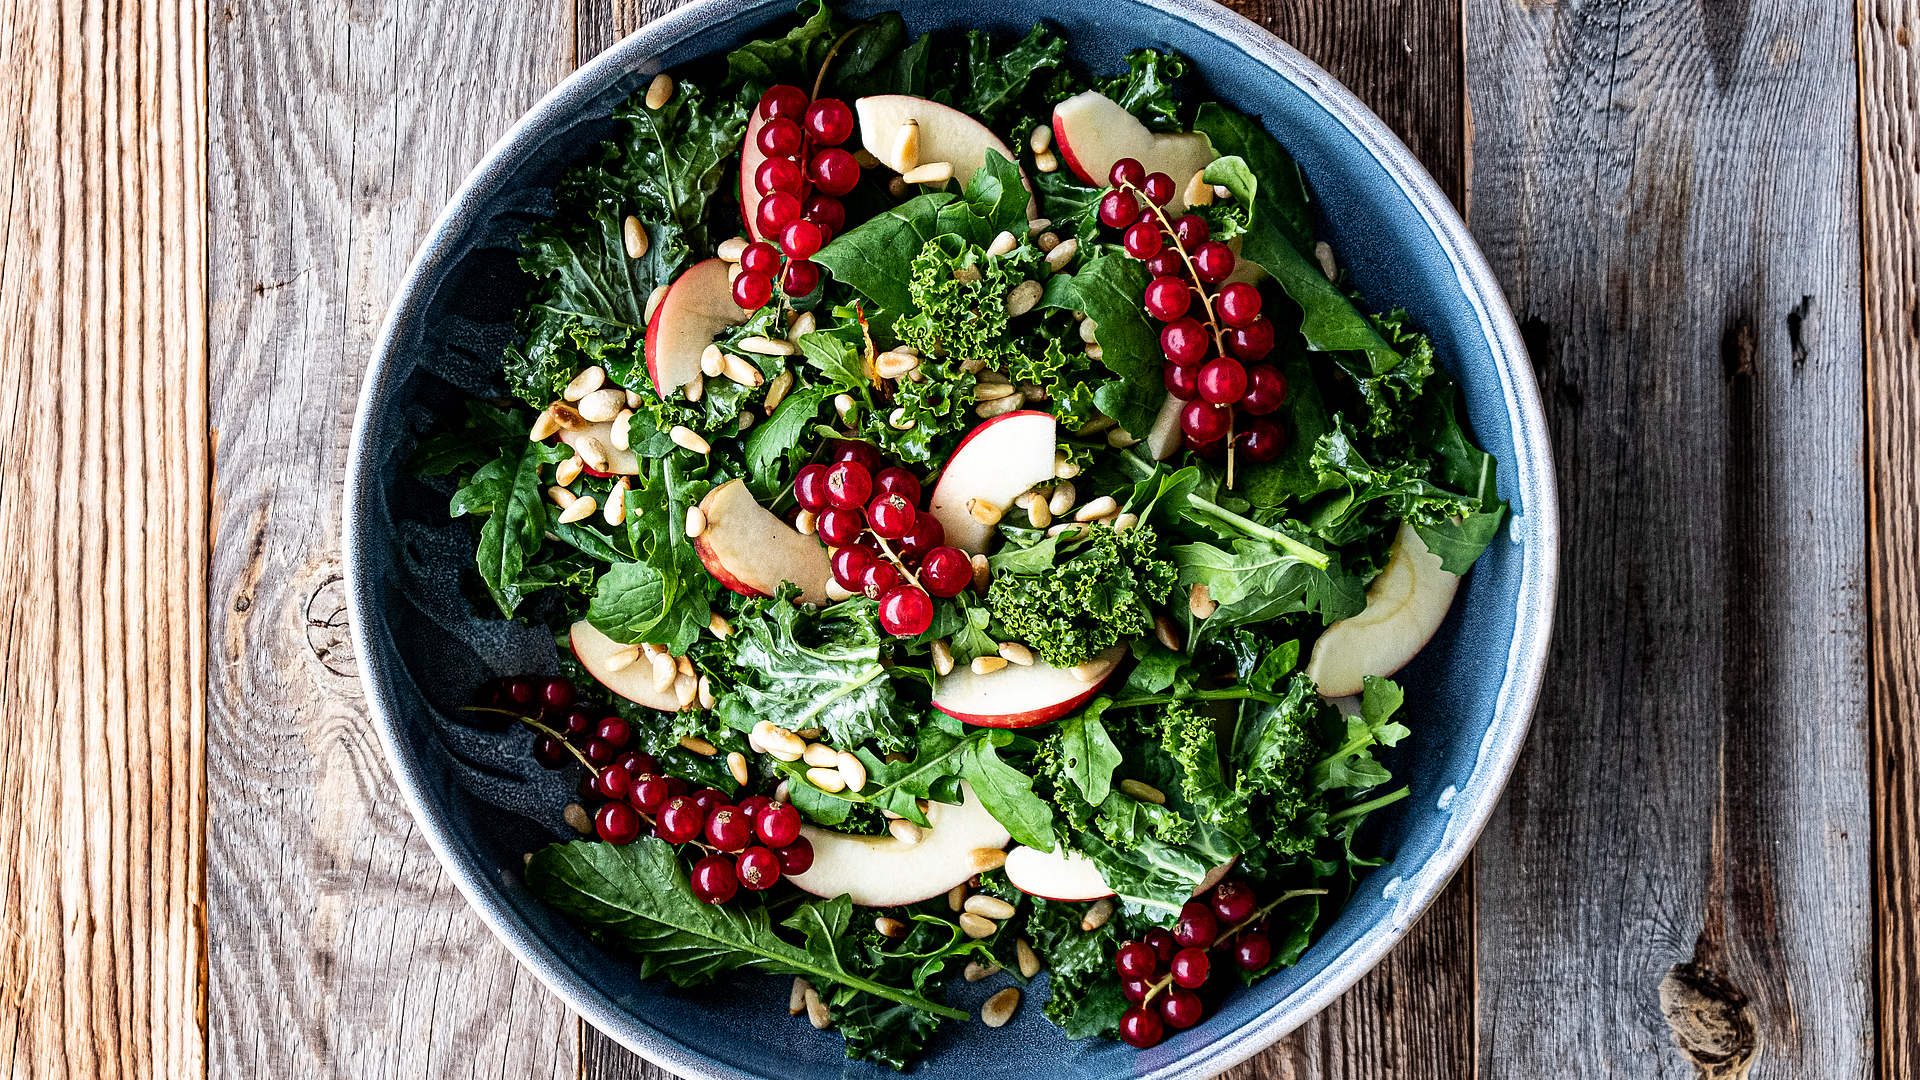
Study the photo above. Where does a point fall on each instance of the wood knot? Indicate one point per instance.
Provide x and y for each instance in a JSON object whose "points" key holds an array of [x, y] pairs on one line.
{"points": [[329, 637], [1712, 1022]]}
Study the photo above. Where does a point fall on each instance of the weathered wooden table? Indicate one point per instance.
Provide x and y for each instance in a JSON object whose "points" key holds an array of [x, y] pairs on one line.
{"points": [[1703, 212]]}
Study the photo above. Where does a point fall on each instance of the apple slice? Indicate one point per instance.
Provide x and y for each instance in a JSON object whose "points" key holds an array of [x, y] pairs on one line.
{"points": [[881, 871], [1059, 874], [751, 158], [751, 551], [946, 134], [1405, 605], [619, 462], [634, 682], [995, 463], [1093, 132], [1017, 697], [698, 305]]}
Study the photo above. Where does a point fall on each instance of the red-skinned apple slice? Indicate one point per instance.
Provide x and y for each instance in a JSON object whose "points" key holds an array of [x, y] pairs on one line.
{"points": [[619, 462], [751, 551], [1405, 605], [1016, 696], [1093, 132], [881, 871], [634, 682], [946, 134], [995, 463], [698, 306], [1059, 874]]}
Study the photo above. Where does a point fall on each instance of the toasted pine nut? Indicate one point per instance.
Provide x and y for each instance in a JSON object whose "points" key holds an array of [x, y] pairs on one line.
{"points": [[984, 512], [577, 819], [781, 741], [1097, 508], [1046, 162], [1040, 138], [1047, 241], [987, 665], [942, 657], [797, 1001], [623, 659], [933, 172], [1088, 671], [1143, 792], [999, 1008], [803, 324], [890, 927], [982, 574], [1022, 297], [990, 409], [766, 346], [992, 391], [1028, 959], [894, 363], [865, 159], [633, 400], [1095, 352], [1002, 244], [544, 427], [1097, 915], [906, 146], [1120, 439], [615, 511], [852, 770], [842, 404], [658, 294], [1200, 601], [828, 780], [602, 405], [568, 417], [904, 831], [818, 1014], [836, 592], [719, 626], [582, 508], [1166, 631], [732, 248], [695, 388], [742, 372], [777, 390], [712, 361], [699, 746], [696, 521], [957, 897], [821, 756], [737, 765], [635, 236], [1065, 468], [1125, 522], [685, 437], [1323, 253], [975, 970], [706, 699], [1015, 653], [806, 521], [986, 858], [977, 927], [781, 793], [1063, 496], [967, 275], [745, 420], [1038, 225], [990, 907], [898, 420], [1199, 192], [1060, 256], [565, 473], [1039, 513], [593, 452], [664, 673], [660, 90], [590, 379], [685, 689], [651, 649], [1089, 331], [622, 435]]}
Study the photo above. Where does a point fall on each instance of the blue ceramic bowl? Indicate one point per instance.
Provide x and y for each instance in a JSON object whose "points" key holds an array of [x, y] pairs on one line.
{"points": [[482, 804]]}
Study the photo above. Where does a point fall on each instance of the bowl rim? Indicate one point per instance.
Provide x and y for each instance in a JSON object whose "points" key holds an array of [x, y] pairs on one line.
{"points": [[1535, 482]]}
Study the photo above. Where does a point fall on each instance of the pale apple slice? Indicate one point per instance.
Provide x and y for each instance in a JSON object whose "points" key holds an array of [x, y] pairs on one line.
{"points": [[994, 464], [1017, 697], [1215, 876], [698, 306], [751, 157], [1163, 439], [1093, 132], [883, 871], [751, 551], [1405, 605], [1059, 874], [619, 462], [634, 682], [946, 134]]}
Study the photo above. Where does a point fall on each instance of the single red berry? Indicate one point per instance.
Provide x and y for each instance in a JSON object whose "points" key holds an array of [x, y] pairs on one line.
{"points": [[1213, 261], [890, 515], [715, 880], [1134, 990], [1140, 1028], [1252, 951], [800, 239], [1159, 188], [760, 257], [1163, 944], [906, 611], [783, 100], [752, 805], [867, 454], [615, 731], [1143, 240], [1136, 960], [829, 121], [1185, 341], [878, 580], [778, 825], [779, 174], [1223, 381], [1203, 421], [1266, 390], [1190, 967], [521, 692], [1263, 441], [576, 724], [599, 751], [797, 857], [551, 752], [614, 782], [1197, 927], [946, 571], [1182, 380], [617, 823], [810, 487], [1233, 902], [708, 800], [1117, 209], [728, 829], [758, 869], [800, 279], [840, 527], [898, 481], [1127, 172], [1238, 304], [680, 819], [752, 291], [1191, 230], [850, 566], [781, 137], [1252, 341], [827, 212], [834, 171], [849, 485], [927, 534], [1168, 264], [1181, 1007], [637, 762], [775, 211], [649, 792], [556, 693], [1168, 298]]}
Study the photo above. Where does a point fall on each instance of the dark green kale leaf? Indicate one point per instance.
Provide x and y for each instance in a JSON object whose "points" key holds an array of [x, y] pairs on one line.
{"points": [[997, 77], [665, 596], [1108, 288], [487, 430], [959, 303], [793, 58], [1086, 998], [586, 306], [803, 670], [1147, 89], [1101, 594], [508, 490]]}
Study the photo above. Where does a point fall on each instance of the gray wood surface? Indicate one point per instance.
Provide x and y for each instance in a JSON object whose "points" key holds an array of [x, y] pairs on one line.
{"points": [[1679, 876], [339, 948]]}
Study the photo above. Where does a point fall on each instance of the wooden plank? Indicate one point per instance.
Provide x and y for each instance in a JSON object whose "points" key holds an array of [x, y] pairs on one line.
{"points": [[103, 533], [1678, 880], [1889, 140], [1414, 1015], [339, 947]]}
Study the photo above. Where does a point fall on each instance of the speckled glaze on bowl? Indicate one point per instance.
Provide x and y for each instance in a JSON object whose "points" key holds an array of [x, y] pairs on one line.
{"points": [[482, 805]]}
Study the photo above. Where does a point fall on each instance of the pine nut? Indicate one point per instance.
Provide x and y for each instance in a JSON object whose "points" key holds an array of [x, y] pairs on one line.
{"points": [[906, 146], [999, 1008], [1088, 330], [1065, 468], [1047, 241], [806, 521], [990, 409], [842, 404], [821, 756], [1046, 162], [1166, 631], [1098, 508], [904, 831], [1038, 225], [660, 90], [565, 473], [745, 420], [803, 324], [1143, 792], [740, 371], [975, 970], [987, 858], [977, 927], [852, 770], [933, 172], [590, 379], [544, 427], [957, 897], [615, 511], [1060, 256], [984, 512], [818, 1014], [942, 657], [719, 626], [568, 417], [897, 188], [706, 698], [1199, 192], [1040, 138], [781, 793], [1095, 352], [695, 387], [797, 1001], [1039, 513], [967, 275], [890, 927], [696, 521], [582, 508], [766, 346], [837, 592], [712, 361], [1200, 601], [737, 765], [894, 363], [987, 665], [621, 435], [865, 159], [1002, 244], [899, 421], [777, 390], [633, 400], [1063, 496], [1028, 959], [828, 780], [652, 650], [1015, 653], [592, 452], [732, 248], [982, 574], [1125, 522], [623, 659], [1323, 253], [1072, 530], [635, 237], [1087, 672], [602, 405], [990, 907], [1097, 915], [577, 819], [658, 294], [684, 665], [686, 438], [1222, 191], [992, 391], [699, 746], [664, 673], [1023, 296]]}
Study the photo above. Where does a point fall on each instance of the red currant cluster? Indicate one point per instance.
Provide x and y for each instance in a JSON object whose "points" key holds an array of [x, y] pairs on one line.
{"points": [[1213, 362], [1160, 972], [884, 543], [751, 844], [805, 172], [570, 728]]}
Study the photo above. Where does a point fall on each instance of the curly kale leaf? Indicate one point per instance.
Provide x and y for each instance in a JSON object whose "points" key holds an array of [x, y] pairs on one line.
{"points": [[959, 306], [1099, 596], [803, 670], [1086, 998], [1147, 89]]}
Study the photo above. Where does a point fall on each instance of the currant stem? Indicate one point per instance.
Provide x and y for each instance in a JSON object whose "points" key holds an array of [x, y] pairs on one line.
{"points": [[1265, 911], [1155, 988], [552, 734], [828, 59], [897, 563]]}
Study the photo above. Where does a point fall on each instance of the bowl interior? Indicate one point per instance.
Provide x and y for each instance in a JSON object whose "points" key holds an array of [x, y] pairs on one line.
{"points": [[483, 802]]}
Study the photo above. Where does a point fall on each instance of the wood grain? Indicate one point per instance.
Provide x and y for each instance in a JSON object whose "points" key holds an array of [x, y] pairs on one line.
{"points": [[103, 536], [339, 947], [1414, 1014], [1890, 192], [1678, 880]]}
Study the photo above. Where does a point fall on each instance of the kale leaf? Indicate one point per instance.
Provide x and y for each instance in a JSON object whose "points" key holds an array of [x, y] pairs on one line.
{"points": [[509, 492], [1100, 595], [803, 670]]}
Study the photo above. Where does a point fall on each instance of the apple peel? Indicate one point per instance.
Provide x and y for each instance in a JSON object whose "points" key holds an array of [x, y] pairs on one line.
{"points": [[883, 871]]}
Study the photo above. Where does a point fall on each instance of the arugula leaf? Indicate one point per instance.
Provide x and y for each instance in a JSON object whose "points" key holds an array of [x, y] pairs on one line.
{"points": [[778, 438], [509, 492], [1007, 793], [487, 431], [1088, 754], [664, 597], [1351, 764], [1108, 288], [1079, 968]]}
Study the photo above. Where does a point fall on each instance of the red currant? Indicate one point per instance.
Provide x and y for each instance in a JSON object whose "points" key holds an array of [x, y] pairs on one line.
{"points": [[878, 580], [1117, 208], [927, 534], [556, 693], [575, 723], [834, 171], [1252, 951], [637, 762], [906, 611], [1263, 441], [1127, 172], [1168, 298], [1203, 421], [800, 239], [752, 291], [828, 213], [850, 566], [1136, 960], [752, 805], [1197, 927], [551, 752], [1233, 902], [801, 278], [839, 527], [829, 121], [680, 819], [867, 454], [1190, 967], [849, 485], [1168, 264], [946, 571], [1159, 188], [599, 751], [1238, 304], [649, 793], [1182, 380], [1140, 1028], [781, 137], [1143, 240], [715, 880], [615, 731], [708, 800], [782, 101], [614, 782], [890, 515], [898, 481], [758, 869], [1185, 341], [1266, 389], [1181, 1007], [617, 823], [520, 692], [775, 211], [1223, 381], [728, 829], [1213, 261], [1134, 990], [1252, 341], [779, 174], [1163, 944], [760, 257], [778, 825], [797, 857], [810, 487], [1191, 230]]}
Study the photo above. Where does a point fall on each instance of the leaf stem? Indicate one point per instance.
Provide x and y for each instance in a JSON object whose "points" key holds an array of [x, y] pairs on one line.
{"points": [[1312, 556], [1369, 806], [1230, 693]]}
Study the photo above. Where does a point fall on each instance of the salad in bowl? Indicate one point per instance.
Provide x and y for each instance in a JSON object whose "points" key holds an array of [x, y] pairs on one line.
{"points": [[977, 522]]}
